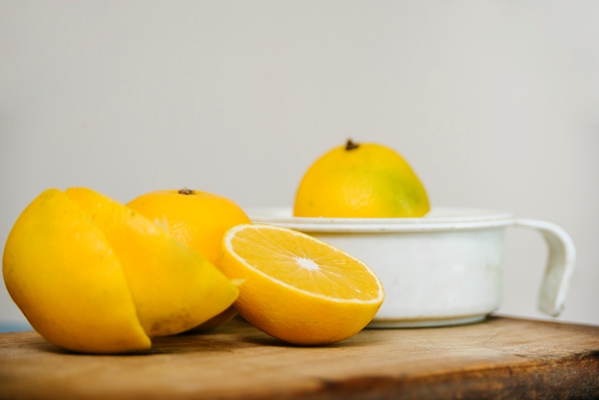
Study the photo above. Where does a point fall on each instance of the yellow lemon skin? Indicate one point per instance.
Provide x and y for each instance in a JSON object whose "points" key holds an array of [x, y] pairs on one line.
{"points": [[173, 287], [196, 218], [62, 273], [367, 180]]}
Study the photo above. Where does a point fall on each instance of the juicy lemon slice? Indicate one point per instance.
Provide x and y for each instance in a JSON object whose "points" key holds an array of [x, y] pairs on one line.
{"points": [[297, 288]]}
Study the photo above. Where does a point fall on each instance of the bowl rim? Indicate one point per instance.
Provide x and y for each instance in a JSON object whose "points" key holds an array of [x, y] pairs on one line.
{"points": [[438, 219]]}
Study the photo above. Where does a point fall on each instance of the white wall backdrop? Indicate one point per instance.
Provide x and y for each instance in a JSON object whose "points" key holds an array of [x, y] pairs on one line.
{"points": [[494, 103]]}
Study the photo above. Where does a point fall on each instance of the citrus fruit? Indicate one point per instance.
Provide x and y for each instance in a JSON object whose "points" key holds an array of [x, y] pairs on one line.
{"points": [[365, 180], [297, 288], [198, 219], [92, 275], [63, 275]]}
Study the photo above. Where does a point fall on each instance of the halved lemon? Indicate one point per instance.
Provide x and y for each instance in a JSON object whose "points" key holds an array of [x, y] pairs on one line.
{"points": [[297, 288]]}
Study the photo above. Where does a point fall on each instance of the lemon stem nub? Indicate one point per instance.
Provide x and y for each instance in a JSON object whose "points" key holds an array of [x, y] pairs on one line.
{"points": [[350, 145], [185, 191]]}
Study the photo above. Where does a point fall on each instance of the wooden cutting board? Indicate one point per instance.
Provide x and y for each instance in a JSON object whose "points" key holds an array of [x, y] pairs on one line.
{"points": [[499, 358]]}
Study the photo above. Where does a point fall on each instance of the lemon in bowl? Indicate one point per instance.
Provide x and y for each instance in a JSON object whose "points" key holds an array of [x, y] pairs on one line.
{"points": [[361, 180]]}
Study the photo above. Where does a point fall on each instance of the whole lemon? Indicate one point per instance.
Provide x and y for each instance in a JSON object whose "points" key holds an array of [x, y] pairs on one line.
{"points": [[361, 180], [196, 218]]}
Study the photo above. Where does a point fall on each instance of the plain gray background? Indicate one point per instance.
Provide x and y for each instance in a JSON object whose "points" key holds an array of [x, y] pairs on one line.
{"points": [[494, 103]]}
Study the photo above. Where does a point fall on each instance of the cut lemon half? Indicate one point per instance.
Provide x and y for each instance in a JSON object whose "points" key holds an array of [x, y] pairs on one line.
{"points": [[297, 288]]}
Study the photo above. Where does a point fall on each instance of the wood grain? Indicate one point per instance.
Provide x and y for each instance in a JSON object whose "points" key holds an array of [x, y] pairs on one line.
{"points": [[499, 358]]}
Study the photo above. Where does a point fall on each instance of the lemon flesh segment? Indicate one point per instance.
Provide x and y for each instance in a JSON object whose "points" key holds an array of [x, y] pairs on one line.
{"points": [[296, 261], [173, 287], [62, 273], [298, 288]]}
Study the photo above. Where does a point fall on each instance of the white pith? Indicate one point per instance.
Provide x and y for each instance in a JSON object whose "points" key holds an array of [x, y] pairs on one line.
{"points": [[306, 263]]}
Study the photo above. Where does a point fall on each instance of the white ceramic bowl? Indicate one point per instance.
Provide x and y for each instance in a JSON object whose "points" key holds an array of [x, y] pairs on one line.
{"points": [[443, 269]]}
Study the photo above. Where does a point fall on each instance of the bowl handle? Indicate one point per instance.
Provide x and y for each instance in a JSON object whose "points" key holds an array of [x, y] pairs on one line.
{"points": [[560, 264]]}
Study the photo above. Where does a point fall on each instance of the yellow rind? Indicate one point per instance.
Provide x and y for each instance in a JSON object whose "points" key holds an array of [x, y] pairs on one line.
{"points": [[371, 181], [61, 272], [174, 288]]}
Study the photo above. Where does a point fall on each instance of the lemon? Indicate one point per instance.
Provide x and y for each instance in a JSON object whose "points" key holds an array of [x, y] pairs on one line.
{"points": [[63, 275], [297, 288], [364, 180], [92, 275], [198, 219]]}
